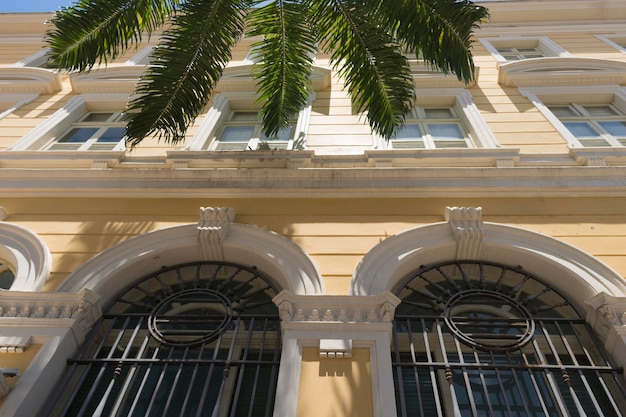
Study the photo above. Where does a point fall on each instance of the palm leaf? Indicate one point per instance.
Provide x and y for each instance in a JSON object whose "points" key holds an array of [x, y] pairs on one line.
{"points": [[96, 31], [286, 53], [185, 68], [377, 75], [438, 30]]}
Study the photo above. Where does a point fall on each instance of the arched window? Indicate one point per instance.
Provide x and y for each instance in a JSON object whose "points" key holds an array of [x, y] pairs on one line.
{"points": [[477, 338], [196, 339]]}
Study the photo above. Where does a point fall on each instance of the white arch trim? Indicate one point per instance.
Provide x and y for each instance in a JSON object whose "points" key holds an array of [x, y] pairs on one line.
{"points": [[576, 274], [115, 268], [28, 254]]}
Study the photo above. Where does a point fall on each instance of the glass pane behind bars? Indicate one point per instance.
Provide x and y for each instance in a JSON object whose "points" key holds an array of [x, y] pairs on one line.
{"points": [[481, 339], [158, 352]]}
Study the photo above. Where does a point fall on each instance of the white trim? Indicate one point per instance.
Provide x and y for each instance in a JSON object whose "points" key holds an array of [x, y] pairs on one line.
{"points": [[28, 254], [609, 39], [29, 80], [278, 257], [15, 101], [562, 71], [111, 79], [140, 56], [35, 60], [576, 274]]}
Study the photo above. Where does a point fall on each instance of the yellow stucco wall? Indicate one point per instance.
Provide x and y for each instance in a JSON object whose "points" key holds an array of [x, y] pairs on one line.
{"points": [[335, 387]]}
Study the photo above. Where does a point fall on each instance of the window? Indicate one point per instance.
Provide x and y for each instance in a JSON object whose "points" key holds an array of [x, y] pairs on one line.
{"points": [[517, 54], [7, 276], [431, 127], [89, 122], [586, 116], [94, 131], [232, 124], [480, 338], [593, 124], [442, 118], [507, 49], [199, 339], [242, 131]]}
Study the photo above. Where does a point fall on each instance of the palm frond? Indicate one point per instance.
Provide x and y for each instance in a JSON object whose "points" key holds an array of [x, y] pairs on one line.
{"points": [[377, 75], [95, 31], [185, 68], [286, 58], [438, 30]]}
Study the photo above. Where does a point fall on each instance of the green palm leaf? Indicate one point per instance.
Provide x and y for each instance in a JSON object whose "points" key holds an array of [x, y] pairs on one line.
{"points": [[377, 75], [96, 31], [286, 53], [185, 68]]}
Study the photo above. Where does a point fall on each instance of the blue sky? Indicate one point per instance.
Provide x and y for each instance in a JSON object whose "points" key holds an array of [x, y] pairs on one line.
{"points": [[7, 6]]}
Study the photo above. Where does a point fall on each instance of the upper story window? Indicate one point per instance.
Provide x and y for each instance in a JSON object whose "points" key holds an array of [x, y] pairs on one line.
{"points": [[99, 131], [89, 122], [507, 49], [432, 127], [242, 131], [442, 118], [593, 124], [586, 116]]}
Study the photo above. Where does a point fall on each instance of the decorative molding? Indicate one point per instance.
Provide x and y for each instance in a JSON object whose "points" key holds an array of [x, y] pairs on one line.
{"points": [[467, 228], [29, 80], [14, 344], [3, 213], [212, 229], [336, 308], [28, 255], [20, 308], [335, 348]]}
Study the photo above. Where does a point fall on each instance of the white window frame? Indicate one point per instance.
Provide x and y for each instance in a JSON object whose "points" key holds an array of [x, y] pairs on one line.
{"points": [[542, 97], [478, 134], [543, 44], [218, 116], [618, 41], [62, 120], [114, 120]]}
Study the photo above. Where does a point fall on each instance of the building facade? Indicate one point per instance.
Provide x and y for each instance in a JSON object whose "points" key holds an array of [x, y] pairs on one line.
{"points": [[473, 265]]}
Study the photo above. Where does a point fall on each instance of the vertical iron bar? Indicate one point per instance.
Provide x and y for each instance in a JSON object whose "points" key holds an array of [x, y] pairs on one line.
{"points": [[157, 387], [190, 386], [553, 386], [144, 381], [173, 388], [468, 384], [431, 369], [456, 411], [399, 370], [274, 374], [415, 370]]}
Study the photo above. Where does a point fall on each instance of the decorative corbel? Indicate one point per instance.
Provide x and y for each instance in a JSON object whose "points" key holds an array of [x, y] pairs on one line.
{"points": [[467, 228], [212, 229]]}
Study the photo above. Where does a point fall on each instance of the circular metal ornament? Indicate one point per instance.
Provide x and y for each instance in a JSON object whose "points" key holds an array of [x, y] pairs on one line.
{"points": [[488, 320], [190, 317]]}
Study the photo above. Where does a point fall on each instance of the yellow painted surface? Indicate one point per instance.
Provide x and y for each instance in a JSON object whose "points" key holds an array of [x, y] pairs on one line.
{"points": [[19, 361], [335, 387]]}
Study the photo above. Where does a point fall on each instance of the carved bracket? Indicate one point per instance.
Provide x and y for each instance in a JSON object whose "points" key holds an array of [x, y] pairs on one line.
{"points": [[467, 228], [212, 229]]}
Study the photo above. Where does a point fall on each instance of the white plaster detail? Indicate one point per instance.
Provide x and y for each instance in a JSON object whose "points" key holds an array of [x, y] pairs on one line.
{"points": [[606, 314], [577, 275], [212, 229], [14, 344], [28, 255], [4, 387], [380, 308], [335, 348], [3, 213], [114, 78], [467, 228], [278, 257], [29, 80]]}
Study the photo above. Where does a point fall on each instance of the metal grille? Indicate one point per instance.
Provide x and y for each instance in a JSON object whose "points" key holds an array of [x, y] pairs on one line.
{"points": [[484, 339], [199, 339]]}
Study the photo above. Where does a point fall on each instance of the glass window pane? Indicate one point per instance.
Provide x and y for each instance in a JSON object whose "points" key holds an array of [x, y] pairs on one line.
{"points": [[283, 135], [563, 111], [79, 135], [439, 113], [581, 129], [112, 134], [241, 116], [441, 131], [409, 131], [617, 129], [97, 117], [237, 134], [600, 111]]}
